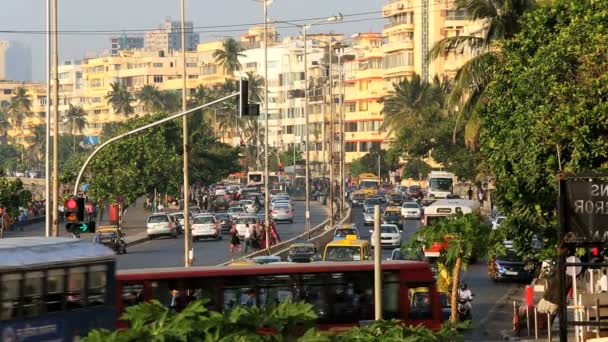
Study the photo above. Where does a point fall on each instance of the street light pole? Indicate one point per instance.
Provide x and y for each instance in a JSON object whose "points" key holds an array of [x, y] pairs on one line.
{"points": [[266, 185], [186, 185], [342, 154], [55, 211], [307, 140], [47, 151]]}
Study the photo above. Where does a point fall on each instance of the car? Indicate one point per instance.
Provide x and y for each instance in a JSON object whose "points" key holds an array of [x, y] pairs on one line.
{"points": [[261, 217], [368, 216], [225, 222], [241, 223], [342, 232], [398, 254], [160, 224], [274, 192], [390, 236], [357, 199], [512, 267], [392, 215], [266, 259], [235, 211], [282, 212], [381, 195], [386, 187], [206, 226], [394, 198], [279, 203], [303, 252], [111, 237], [497, 221], [283, 198], [411, 210], [220, 203], [371, 202], [194, 210], [415, 191], [250, 206]]}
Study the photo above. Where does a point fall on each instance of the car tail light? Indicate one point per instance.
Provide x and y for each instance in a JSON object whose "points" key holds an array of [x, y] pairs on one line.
{"points": [[274, 211], [289, 211]]}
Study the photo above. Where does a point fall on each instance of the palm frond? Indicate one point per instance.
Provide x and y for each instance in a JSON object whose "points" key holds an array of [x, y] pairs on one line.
{"points": [[458, 44]]}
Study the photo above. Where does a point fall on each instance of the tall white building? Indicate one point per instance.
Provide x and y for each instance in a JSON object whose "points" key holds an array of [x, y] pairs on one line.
{"points": [[15, 61], [168, 38]]}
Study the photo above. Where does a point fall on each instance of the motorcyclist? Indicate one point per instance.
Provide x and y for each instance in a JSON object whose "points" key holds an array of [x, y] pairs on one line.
{"points": [[465, 294]]}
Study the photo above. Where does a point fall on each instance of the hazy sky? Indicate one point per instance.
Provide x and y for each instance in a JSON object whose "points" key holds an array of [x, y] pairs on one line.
{"points": [[117, 15]]}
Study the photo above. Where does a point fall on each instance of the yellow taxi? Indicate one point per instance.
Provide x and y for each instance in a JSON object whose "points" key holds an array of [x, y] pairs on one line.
{"points": [[349, 249]]}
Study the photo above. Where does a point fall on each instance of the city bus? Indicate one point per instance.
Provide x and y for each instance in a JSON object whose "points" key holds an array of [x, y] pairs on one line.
{"points": [[441, 209], [55, 289], [256, 178], [298, 190], [440, 184], [341, 292]]}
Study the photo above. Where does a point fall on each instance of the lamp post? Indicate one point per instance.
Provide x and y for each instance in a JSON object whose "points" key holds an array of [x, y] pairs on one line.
{"points": [[186, 185], [47, 134], [54, 209], [305, 29]]}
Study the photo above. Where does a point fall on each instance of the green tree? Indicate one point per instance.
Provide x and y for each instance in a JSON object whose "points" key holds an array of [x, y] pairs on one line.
{"points": [[76, 121], [369, 163], [531, 132], [9, 157], [416, 169], [228, 56], [36, 142], [13, 195], [20, 106], [150, 98], [255, 87], [120, 99], [500, 23], [466, 237]]}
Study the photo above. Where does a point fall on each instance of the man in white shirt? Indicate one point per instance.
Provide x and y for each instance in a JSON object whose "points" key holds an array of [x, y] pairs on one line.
{"points": [[602, 285]]}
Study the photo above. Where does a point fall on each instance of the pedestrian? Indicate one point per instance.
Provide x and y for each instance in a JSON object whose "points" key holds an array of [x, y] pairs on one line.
{"points": [[550, 300], [89, 209], [160, 207], [480, 196], [247, 237], [235, 242], [470, 193]]}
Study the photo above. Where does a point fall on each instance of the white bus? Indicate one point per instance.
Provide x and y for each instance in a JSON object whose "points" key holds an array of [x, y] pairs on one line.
{"points": [[446, 207], [440, 184]]}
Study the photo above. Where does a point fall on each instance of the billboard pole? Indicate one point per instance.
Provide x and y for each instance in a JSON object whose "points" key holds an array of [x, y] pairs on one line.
{"points": [[561, 262]]}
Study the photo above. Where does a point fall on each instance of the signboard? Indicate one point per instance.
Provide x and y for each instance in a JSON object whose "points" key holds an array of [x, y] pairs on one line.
{"points": [[585, 205]]}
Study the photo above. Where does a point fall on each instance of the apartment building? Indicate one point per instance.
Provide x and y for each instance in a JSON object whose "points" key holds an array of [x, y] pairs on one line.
{"points": [[168, 38], [15, 61], [125, 42]]}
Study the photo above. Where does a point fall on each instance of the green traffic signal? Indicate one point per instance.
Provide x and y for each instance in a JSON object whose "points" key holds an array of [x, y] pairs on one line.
{"points": [[83, 227]]}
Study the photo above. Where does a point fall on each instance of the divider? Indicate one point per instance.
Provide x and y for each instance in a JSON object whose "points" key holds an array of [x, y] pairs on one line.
{"points": [[315, 232]]}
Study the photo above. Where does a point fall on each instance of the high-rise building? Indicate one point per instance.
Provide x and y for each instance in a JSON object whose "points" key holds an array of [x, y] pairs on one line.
{"points": [[15, 61], [168, 38], [125, 42]]}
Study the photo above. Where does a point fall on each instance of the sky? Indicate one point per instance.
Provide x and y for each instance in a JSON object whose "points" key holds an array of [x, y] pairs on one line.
{"points": [[140, 15]]}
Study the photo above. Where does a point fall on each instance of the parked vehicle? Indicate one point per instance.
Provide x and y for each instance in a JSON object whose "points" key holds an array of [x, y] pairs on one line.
{"points": [[160, 224], [512, 267], [226, 222], [206, 226]]}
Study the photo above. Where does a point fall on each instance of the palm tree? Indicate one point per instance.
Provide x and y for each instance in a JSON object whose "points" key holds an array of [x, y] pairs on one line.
{"points": [[19, 107], [37, 142], [406, 103], [256, 87], [228, 57], [5, 123], [500, 22], [120, 99], [150, 97], [76, 120]]}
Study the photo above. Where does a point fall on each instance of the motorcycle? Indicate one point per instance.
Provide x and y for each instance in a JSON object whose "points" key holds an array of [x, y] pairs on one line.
{"points": [[112, 238], [464, 310]]}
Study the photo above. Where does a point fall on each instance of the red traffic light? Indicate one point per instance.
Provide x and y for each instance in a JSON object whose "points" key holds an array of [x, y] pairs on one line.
{"points": [[71, 204], [280, 165]]}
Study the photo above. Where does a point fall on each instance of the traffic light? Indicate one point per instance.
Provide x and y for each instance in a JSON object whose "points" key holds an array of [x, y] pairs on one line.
{"points": [[280, 167], [244, 97], [75, 216], [71, 210]]}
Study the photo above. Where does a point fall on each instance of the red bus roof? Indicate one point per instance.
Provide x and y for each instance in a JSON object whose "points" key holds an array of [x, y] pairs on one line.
{"points": [[420, 271]]}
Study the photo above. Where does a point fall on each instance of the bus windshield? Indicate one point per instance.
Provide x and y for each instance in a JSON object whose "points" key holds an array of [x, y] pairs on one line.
{"points": [[343, 253], [369, 184], [433, 220], [441, 184]]}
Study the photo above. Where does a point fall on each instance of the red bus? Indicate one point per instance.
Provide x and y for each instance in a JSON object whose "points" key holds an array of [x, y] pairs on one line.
{"points": [[342, 293]]}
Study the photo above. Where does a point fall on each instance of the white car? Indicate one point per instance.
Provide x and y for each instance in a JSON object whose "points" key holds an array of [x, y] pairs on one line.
{"points": [[249, 206], [280, 203], [497, 221], [242, 222], [160, 224], [206, 226], [236, 211], [411, 210], [390, 235]]}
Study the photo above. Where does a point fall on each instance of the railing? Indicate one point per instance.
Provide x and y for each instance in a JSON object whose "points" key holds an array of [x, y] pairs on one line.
{"points": [[396, 23]]}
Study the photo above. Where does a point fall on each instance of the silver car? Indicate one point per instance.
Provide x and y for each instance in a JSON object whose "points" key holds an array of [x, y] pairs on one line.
{"points": [[368, 216], [160, 224], [282, 212]]}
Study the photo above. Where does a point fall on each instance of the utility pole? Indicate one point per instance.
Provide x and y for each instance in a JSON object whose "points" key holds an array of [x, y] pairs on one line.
{"points": [[55, 211], [307, 141], [331, 137], [267, 190], [377, 265], [188, 255], [47, 152], [342, 154]]}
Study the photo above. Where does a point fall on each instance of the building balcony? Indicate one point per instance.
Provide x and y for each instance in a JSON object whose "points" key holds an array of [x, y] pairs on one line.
{"points": [[395, 7], [364, 115], [400, 70], [364, 74], [365, 136], [398, 45]]}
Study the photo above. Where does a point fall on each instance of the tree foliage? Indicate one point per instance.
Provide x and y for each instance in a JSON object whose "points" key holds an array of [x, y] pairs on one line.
{"points": [[13, 195], [369, 163], [546, 112], [283, 322]]}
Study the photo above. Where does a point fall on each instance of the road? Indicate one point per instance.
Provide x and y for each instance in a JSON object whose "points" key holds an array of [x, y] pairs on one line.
{"points": [[167, 252], [487, 293]]}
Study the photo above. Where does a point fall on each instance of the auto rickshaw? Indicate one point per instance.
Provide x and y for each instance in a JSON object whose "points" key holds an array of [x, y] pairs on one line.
{"points": [[111, 237]]}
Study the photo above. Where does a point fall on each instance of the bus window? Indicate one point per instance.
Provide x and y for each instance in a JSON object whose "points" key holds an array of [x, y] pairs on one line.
{"points": [[420, 303], [11, 283], [312, 291], [55, 280], [97, 285], [352, 295], [274, 289], [391, 307], [132, 294], [32, 294], [76, 277]]}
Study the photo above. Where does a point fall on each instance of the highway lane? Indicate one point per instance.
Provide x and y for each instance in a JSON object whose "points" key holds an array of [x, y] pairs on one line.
{"points": [[167, 252], [487, 293]]}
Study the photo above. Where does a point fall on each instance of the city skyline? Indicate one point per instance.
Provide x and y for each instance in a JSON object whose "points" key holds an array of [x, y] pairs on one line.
{"points": [[30, 17]]}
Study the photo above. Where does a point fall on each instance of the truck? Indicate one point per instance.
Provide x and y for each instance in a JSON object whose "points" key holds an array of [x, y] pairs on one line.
{"points": [[369, 183], [440, 184]]}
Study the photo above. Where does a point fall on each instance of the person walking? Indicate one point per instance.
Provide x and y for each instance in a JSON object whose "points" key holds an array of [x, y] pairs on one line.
{"points": [[470, 193], [235, 242], [247, 237]]}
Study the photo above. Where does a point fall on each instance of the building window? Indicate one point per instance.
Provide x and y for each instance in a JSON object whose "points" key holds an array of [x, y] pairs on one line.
{"points": [[209, 69], [289, 129], [7, 91], [158, 79], [191, 65], [351, 107], [251, 65], [363, 105], [350, 147], [350, 127], [158, 65]]}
